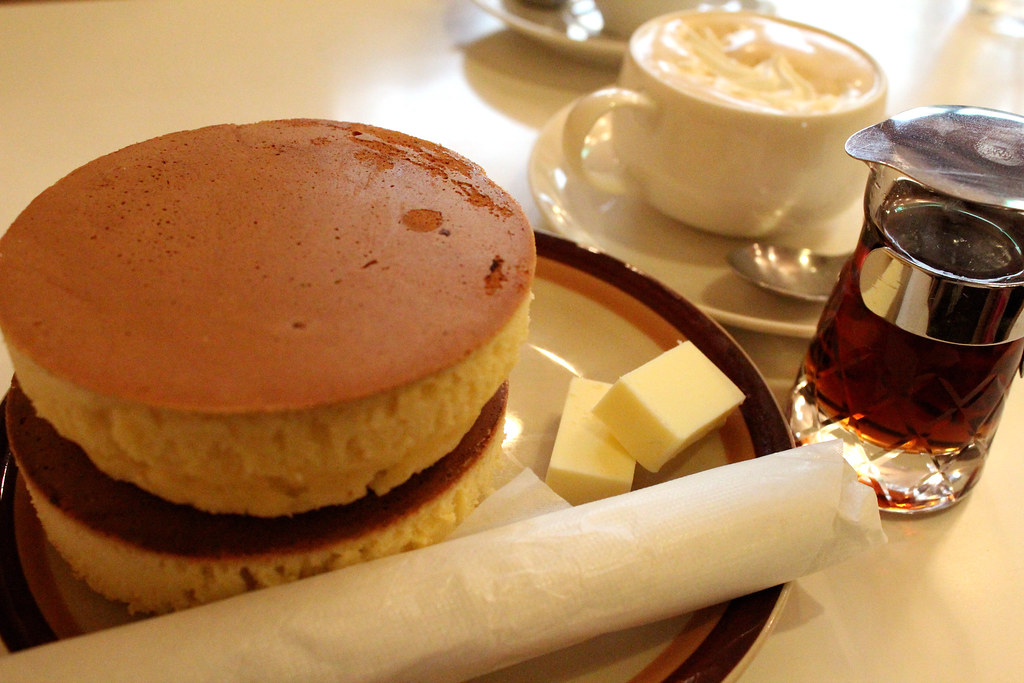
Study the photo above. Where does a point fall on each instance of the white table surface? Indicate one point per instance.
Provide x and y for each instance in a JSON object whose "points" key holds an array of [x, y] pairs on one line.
{"points": [[941, 602]]}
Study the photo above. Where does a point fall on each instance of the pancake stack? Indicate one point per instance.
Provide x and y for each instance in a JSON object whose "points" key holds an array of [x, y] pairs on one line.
{"points": [[248, 354]]}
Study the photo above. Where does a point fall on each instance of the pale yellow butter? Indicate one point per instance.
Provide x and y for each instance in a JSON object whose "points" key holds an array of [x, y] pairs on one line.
{"points": [[587, 463], [663, 406]]}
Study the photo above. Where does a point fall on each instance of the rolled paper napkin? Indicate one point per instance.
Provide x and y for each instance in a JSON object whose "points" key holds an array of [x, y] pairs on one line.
{"points": [[489, 599]]}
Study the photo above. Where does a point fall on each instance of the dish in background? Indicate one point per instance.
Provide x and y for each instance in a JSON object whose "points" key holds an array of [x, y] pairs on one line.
{"points": [[574, 28], [592, 315], [622, 17], [689, 261]]}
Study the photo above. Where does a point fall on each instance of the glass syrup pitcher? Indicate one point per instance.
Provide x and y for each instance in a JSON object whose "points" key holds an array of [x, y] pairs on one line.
{"points": [[924, 332]]}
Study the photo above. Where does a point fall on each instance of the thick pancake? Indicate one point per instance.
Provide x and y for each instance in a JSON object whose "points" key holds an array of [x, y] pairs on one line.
{"points": [[60, 471], [266, 267]]}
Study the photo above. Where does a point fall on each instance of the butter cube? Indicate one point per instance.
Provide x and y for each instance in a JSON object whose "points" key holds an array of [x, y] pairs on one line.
{"points": [[663, 406], [587, 463]]}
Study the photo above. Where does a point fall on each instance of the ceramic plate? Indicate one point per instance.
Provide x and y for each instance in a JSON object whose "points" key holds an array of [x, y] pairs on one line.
{"points": [[573, 28], [687, 260], [592, 316]]}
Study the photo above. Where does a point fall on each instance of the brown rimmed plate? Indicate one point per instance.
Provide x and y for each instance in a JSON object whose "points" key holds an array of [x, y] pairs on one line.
{"points": [[593, 316]]}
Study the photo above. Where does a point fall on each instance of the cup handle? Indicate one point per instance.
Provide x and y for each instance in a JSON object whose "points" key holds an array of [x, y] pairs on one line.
{"points": [[583, 116]]}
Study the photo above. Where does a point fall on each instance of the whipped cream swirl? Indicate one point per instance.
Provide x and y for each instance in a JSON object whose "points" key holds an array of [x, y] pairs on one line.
{"points": [[687, 57]]}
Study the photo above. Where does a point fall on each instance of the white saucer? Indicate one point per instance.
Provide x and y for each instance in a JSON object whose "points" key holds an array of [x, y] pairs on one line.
{"points": [[574, 28], [689, 261]]}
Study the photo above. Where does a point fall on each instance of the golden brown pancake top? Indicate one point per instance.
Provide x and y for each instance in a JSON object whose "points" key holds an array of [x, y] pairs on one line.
{"points": [[269, 266]]}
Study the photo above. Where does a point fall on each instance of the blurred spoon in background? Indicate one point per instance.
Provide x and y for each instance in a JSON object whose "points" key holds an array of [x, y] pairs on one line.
{"points": [[797, 273]]}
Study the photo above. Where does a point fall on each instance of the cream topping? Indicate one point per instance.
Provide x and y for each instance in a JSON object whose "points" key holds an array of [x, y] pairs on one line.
{"points": [[753, 65]]}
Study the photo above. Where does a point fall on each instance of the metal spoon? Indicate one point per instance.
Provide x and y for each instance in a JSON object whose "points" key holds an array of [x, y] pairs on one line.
{"points": [[797, 273]]}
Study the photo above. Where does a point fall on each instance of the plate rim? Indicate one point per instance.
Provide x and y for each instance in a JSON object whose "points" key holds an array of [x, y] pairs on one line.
{"points": [[683, 315], [22, 624], [740, 628]]}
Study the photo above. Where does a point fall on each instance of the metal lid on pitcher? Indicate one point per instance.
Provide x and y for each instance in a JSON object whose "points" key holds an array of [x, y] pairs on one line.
{"points": [[971, 153], [946, 202]]}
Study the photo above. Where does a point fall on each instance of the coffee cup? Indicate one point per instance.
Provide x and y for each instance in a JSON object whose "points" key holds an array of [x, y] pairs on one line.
{"points": [[733, 122]]}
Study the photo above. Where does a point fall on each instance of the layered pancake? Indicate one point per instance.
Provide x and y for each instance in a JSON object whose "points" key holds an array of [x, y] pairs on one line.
{"points": [[156, 556], [269, 318], [250, 353]]}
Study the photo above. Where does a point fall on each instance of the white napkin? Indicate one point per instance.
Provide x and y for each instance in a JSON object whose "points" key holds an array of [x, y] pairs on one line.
{"points": [[485, 600]]}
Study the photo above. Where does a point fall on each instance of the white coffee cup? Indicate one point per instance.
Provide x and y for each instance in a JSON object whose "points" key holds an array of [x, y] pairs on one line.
{"points": [[723, 154]]}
